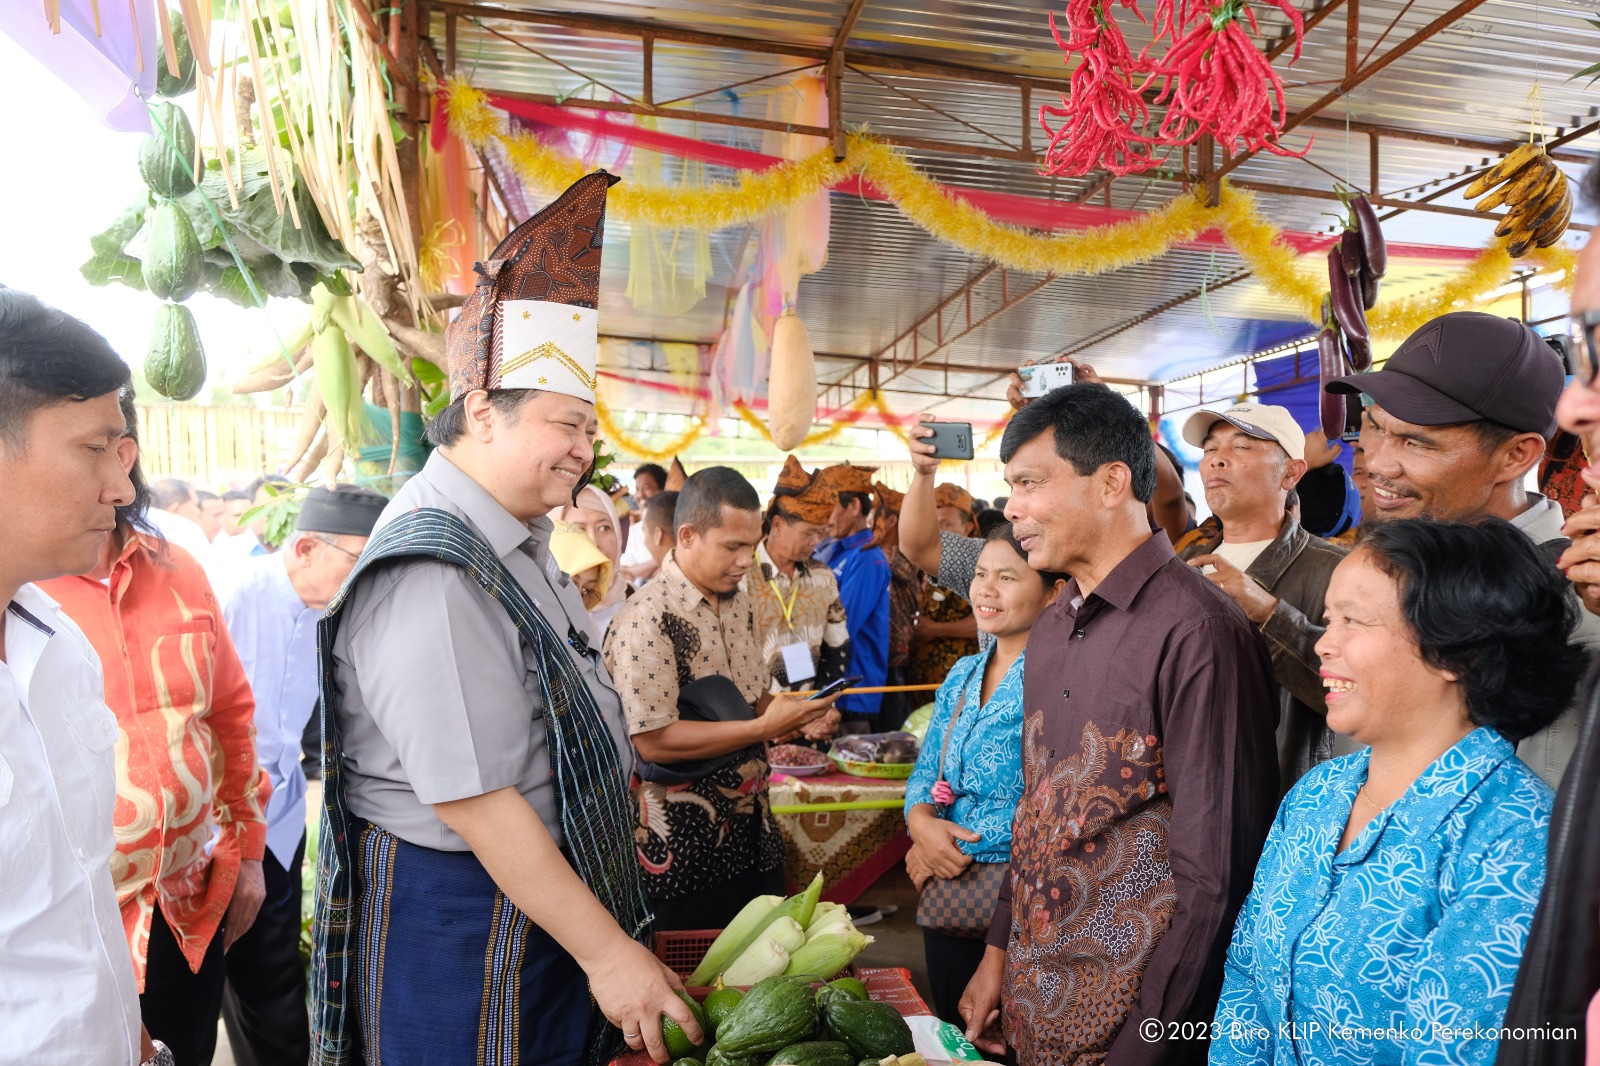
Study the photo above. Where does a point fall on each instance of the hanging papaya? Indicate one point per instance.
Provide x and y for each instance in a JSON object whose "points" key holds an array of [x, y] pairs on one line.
{"points": [[175, 365], [166, 159], [172, 258]]}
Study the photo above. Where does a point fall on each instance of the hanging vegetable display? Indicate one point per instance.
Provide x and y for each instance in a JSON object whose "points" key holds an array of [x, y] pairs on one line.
{"points": [[1106, 108], [1213, 80], [1535, 193], [1216, 82], [1344, 345]]}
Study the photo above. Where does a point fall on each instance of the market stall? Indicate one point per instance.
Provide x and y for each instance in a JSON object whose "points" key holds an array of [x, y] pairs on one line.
{"points": [[849, 829]]}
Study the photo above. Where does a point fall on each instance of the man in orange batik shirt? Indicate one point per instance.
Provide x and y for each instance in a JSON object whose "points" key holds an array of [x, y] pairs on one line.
{"points": [[191, 822]]}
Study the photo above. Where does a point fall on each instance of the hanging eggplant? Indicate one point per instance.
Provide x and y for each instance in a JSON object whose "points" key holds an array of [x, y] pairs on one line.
{"points": [[1344, 299], [1372, 242], [1330, 365]]}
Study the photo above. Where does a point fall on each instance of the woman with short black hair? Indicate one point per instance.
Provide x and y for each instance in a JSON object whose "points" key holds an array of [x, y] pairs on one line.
{"points": [[1395, 892]]}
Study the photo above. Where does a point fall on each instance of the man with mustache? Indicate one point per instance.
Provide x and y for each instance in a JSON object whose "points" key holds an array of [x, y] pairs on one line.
{"points": [[1458, 417]]}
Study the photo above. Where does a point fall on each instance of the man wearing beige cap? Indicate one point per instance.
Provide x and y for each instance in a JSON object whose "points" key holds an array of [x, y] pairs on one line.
{"points": [[1275, 571]]}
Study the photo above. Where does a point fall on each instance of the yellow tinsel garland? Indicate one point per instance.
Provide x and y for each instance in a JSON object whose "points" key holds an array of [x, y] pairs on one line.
{"points": [[1093, 251], [622, 439]]}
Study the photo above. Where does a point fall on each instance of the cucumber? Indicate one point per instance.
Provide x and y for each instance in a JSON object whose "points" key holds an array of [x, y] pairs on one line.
{"points": [[677, 1041], [871, 1029], [774, 1014], [814, 1053]]}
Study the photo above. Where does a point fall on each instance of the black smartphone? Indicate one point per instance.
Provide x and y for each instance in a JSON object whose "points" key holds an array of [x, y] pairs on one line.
{"points": [[835, 686], [950, 440]]}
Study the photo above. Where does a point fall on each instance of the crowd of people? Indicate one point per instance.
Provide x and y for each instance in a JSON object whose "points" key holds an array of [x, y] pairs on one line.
{"points": [[1257, 795]]}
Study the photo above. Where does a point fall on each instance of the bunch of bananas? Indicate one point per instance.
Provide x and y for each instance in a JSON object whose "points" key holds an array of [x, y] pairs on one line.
{"points": [[1535, 194]]}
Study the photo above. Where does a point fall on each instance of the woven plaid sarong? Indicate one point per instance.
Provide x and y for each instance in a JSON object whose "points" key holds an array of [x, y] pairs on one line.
{"points": [[597, 816]]}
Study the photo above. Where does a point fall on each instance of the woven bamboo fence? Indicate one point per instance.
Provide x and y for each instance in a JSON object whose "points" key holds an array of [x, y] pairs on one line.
{"points": [[214, 447]]}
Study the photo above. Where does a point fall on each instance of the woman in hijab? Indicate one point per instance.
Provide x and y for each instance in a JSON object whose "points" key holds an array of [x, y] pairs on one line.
{"points": [[596, 516]]}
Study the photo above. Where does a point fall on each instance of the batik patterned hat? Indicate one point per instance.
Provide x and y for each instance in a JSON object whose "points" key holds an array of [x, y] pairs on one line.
{"points": [[800, 495], [948, 494], [531, 322], [846, 477], [888, 500]]}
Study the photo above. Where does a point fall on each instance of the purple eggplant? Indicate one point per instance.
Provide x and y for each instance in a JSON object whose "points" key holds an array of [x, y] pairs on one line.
{"points": [[1350, 252], [1330, 365], [1369, 289], [1372, 243], [1344, 299], [1360, 353]]}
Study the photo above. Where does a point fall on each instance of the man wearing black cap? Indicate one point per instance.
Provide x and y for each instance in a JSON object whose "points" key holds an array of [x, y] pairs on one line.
{"points": [[272, 615], [1459, 415]]}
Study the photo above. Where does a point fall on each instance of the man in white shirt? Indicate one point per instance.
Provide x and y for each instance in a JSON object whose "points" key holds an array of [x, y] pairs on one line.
{"points": [[67, 991], [639, 561], [272, 616], [175, 512]]}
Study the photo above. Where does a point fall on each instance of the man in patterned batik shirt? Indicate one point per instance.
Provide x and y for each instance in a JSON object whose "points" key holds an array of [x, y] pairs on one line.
{"points": [[1150, 772], [706, 837], [799, 619]]}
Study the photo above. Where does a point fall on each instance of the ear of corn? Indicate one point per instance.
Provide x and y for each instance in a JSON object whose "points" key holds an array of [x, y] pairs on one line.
{"points": [[745, 927], [763, 959], [785, 932], [823, 911], [366, 331], [823, 956]]}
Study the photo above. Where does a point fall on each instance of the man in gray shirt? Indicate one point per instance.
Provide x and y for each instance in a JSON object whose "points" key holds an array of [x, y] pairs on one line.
{"points": [[478, 759]]}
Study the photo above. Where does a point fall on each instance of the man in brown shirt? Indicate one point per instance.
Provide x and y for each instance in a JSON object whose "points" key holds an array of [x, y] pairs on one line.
{"points": [[1149, 769], [706, 837]]}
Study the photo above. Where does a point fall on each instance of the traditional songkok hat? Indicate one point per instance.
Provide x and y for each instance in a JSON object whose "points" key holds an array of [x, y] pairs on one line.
{"points": [[676, 476], [886, 505], [342, 510], [531, 321], [887, 499], [800, 495], [846, 477], [951, 495]]}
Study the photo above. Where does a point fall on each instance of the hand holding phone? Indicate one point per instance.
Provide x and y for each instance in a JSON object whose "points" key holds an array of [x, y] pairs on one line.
{"points": [[835, 687], [950, 440]]}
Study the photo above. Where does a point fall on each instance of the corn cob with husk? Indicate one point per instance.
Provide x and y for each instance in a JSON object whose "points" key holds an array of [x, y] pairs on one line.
{"points": [[763, 959], [824, 955], [746, 926]]}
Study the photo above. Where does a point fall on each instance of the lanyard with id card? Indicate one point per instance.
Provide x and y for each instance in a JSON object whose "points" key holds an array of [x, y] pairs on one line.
{"points": [[797, 664]]}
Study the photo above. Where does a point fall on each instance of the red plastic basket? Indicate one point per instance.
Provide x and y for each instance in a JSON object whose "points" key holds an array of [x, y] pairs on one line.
{"points": [[682, 950]]}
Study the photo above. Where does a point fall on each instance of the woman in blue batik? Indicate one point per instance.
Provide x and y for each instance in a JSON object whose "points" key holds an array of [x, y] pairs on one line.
{"points": [[968, 777], [1394, 896]]}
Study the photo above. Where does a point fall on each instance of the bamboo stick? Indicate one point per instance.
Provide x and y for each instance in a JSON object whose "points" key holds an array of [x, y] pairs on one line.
{"points": [[868, 690]]}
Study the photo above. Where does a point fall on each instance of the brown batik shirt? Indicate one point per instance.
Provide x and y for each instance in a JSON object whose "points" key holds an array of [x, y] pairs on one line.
{"points": [[696, 835], [1149, 783]]}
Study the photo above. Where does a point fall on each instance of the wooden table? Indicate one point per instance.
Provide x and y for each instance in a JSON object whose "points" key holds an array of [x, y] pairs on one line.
{"points": [[850, 828]]}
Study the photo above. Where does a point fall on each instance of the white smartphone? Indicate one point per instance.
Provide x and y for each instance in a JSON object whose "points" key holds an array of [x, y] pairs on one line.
{"points": [[1042, 377]]}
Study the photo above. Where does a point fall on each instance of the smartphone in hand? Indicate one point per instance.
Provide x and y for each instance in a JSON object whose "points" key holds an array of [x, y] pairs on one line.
{"points": [[834, 687], [950, 440]]}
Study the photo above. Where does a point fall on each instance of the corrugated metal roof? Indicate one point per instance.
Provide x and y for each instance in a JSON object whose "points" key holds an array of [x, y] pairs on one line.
{"points": [[1472, 80]]}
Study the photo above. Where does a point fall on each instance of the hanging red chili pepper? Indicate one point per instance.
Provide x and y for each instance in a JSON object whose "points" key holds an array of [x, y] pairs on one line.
{"points": [[1105, 113], [1216, 81]]}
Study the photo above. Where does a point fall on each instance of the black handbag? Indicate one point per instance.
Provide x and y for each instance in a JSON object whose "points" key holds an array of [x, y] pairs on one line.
{"points": [[708, 699]]}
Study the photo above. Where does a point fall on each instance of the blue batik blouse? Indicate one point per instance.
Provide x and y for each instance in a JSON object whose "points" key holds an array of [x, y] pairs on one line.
{"points": [[1402, 948], [984, 761]]}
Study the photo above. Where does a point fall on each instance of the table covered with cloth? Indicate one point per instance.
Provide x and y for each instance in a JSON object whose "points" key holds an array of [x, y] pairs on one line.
{"points": [[884, 985], [853, 829]]}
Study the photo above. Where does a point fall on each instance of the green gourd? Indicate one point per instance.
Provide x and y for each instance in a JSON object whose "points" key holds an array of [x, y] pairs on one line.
{"points": [[814, 1053], [871, 1029], [167, 84], [166, 159], [775, 1013], [175, 365], [172, 258]]}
